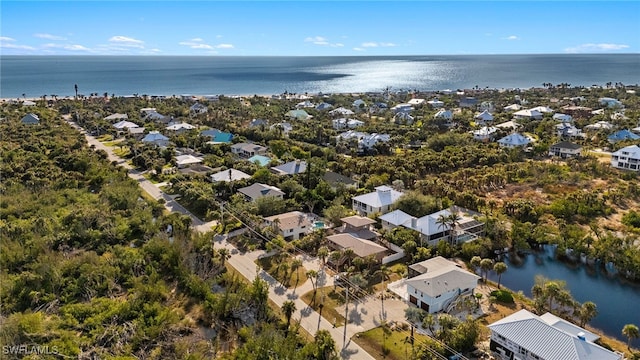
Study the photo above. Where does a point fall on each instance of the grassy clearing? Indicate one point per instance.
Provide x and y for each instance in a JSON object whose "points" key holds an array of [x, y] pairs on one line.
{"points": [[330, 300], [273, 266], [397, 343]]}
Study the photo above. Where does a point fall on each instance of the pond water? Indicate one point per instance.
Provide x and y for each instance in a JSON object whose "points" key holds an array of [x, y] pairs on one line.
{"points": [[617, 300]]}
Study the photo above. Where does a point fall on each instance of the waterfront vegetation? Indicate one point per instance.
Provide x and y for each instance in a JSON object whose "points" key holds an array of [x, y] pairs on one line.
{"points": [[83, 252]]}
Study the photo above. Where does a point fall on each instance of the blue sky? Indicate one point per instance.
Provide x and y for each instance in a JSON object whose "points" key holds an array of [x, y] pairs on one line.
{"points": [[327, 28]]}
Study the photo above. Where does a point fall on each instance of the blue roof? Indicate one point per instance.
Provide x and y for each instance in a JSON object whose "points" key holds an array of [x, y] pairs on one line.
{"points": [[292, 167], [623, 135], [260, 159], [222, 137]]}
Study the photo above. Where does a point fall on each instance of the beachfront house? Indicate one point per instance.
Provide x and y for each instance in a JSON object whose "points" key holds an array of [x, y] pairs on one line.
{"points": [[435, 284], [514, 140], [526, 336], [30, 119], [378, 202], [256, 191], [292, 225], [627, 158], [565, 150], [247, 150]]}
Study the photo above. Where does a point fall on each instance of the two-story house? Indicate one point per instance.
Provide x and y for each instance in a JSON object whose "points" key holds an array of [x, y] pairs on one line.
{"points": [[379, 201], [627, 158], [292, 225]]}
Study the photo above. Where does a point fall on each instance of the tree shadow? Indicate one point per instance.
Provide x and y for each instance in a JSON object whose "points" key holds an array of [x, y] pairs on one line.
{"points": [[306, 312]]}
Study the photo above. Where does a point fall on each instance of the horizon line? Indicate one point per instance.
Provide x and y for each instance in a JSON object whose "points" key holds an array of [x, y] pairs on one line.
{"points": [[353, 55]]}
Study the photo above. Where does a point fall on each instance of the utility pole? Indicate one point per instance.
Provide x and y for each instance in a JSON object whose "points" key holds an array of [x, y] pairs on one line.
{"points": [[346, 317]]}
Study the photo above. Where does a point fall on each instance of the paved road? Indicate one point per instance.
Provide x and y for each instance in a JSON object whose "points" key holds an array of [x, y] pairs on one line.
{"points": [[245, 264]]}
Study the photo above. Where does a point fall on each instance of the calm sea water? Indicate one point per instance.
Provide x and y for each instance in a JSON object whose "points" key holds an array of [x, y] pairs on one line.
{"points": [[617, 300], [166, 75]]}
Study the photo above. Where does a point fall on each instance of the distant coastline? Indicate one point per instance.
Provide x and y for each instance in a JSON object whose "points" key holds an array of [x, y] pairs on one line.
{"points": [[35, 76]]}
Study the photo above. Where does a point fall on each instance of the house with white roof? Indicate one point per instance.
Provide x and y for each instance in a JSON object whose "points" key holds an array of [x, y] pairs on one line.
{"points": [[198, 109], [416, 102], [377, 202], [565, 150], [180, 128], [437, 283], [610, 102], [116, 117], [290, 168], [298, 115], [514, 140], [444, 114], [562, 117], [30, 119], [484, 116], [187, 160], [528, 114], [154, 137], [324, 106], [526, 336], [600, 125], [292, 225], [120, 125], [229, 175], [247, 150], [403, 118], [341, 111], [344, 123], [542, 109], [404, 107], [305, 104], [513, 107], [369, 141], [485, 133], [358, 104], [627, 158], [257, 191], [568, 130]]}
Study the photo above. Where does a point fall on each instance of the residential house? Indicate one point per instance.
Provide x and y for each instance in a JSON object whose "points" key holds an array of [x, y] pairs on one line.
{"points": [[290, 168], [28, 103], [468, 102], [198, 109], [600, 125], [136, 132], [622, 135], [403, 118], [260, 160], [298, 115], [292, 225], [334, 180], [636, 130], [514, 140], [361, 248], [229, 175], [565, 150], [359, 226], [577, 111], [528, 114], [378, 107], [257, 191], [485, 133], [341, 111], [438, 283], [154, 137], [187, 160], [123, 125], [444, 114], [284, 127], [305, 104], [435, 103], [627, 158], [324, 106], [487, 106], [217, 136], [258, 123], [369, 141], [484, 117], [404, 107], [343, 123], [565, 118], [247, 150], [508, 125], [117, 117], [180, 128], [416, 102], [358, 104], [610, 102], [526, 336], [30, 119], [542, 109], [513, 107], [567, 130], [378, 202], [433, 228]]}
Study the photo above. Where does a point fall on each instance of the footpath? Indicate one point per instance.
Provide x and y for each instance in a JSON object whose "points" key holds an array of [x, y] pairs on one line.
{"points": [[245, 264]]}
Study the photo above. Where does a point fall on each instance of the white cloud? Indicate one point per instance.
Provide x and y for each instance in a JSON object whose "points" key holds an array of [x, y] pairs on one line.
{"points": [[372, 44], [69, 47], [197, 40], [5, 38], [322, 41], [512, 37], [358, 49], [218, 36], [224, 46], [126, 41], [15, 46], [196, 43], [49, 36], [337, 45], [602, 47]]}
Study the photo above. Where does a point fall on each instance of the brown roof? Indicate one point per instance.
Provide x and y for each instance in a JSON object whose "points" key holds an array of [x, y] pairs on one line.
{"points": [[360, 247], [357, 221], [290, 220]]}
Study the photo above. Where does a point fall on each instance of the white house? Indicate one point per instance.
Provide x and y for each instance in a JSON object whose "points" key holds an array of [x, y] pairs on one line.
{"points": [[257, 191], [116, 116], [513, 107], [247, 150], [435, 103], [565, 150], [154, 137], [528, 114], [404, 107], [443, 114], [343, 123], [485, 133], [526, 336], [229, 175], [379, 201], [627, 158], [341, 112], [484, 116], [416, 102], [514, 140], [542, 109], [439, 284], [180, 127], [600, 125], [291, 225], [568, 130], [305, 104], [187, 160], [197, 109], [120, 125], [562, 117], [403, 118], [369, 141]]}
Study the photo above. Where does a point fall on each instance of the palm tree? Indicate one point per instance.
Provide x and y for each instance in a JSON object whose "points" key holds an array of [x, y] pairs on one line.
{"points": [[312, 275], [325, 344], [443, 222], [385, 274], [295, 264], [551, 291], [323, 253], [349, 254], [631, 332], [485, 266], [76, 87], [288, 308], [414, 315], [224, 255], [453, 221], [475, 262], [587, 312], [499, 268]]}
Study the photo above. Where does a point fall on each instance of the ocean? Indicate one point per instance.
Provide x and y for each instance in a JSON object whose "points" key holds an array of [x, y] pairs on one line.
{"points": [[35, 76]]}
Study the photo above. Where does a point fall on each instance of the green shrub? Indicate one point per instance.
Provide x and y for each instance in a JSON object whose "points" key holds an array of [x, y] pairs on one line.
{"points": [[631, 219], [503, 296]]}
